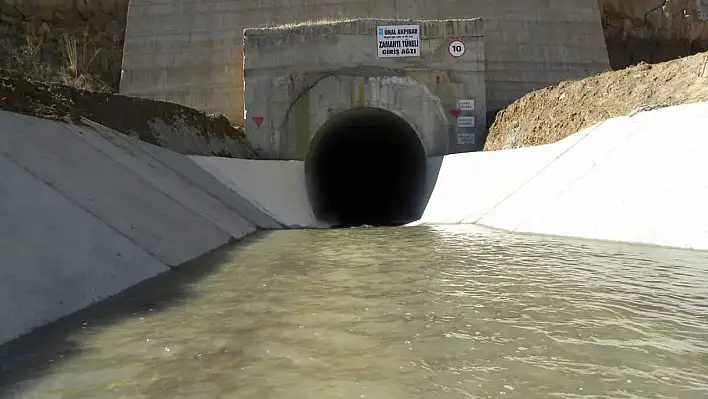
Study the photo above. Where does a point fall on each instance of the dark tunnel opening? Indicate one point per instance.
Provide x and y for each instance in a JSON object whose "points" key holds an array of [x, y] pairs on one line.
{"points": [[366, 166]]}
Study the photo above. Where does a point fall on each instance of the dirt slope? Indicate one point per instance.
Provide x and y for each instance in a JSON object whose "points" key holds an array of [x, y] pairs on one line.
{"points": [[181, 129], [553, 113]]}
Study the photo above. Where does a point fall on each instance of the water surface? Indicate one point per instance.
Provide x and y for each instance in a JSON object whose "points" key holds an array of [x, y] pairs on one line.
{"points": [[424, 312]]}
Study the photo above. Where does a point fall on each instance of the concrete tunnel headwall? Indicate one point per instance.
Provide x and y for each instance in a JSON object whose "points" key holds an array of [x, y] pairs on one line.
{"points": [[366, 166], [365, 162], [298, 77], [364, 124]]}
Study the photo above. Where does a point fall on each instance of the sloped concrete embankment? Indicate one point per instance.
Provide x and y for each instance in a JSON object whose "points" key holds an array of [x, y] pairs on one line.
{"points": [[277, 188], [639, 178], [87, 212]]}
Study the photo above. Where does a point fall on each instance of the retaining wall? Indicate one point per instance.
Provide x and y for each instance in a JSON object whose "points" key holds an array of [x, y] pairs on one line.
{"points": [[190, 52]]}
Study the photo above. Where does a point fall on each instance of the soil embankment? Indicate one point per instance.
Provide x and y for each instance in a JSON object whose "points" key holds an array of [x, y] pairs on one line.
{"points": [[551, 114], [178, 128], [645, 40]]}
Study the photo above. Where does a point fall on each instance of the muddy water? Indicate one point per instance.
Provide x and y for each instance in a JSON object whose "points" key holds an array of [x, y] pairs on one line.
{"points": [[445, 312]]}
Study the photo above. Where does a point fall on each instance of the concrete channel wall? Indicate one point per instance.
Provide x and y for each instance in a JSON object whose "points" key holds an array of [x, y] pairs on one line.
{"points": [[86, 212], [277, 188], [640, 179]]}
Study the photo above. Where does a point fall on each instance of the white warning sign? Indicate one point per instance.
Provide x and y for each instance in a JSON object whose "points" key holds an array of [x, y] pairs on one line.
{"points": [[398, 41], [466, 121], [465, 105], [464, 138]]}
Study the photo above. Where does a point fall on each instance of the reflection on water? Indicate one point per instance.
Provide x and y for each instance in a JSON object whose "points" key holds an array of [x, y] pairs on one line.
{"points": [[443, 312]]}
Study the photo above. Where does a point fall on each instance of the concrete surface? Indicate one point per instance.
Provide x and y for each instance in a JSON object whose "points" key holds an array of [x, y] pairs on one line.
{"points": [[56, 256], [189, 52], [633, 179], [112, 192], [178, 164], [87, 212], [277, 188], [297, 78], [119, 149]]}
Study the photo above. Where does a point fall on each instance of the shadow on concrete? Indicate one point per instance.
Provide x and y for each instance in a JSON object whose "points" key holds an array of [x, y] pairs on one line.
{"points": [[432, 171], [37, 354]]}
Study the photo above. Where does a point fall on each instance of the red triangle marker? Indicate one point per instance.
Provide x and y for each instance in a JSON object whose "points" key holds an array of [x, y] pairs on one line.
{"points": [[455, 112], [258, 120]]}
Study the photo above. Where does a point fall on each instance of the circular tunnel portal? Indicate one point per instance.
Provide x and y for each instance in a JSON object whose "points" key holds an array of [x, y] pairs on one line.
{"points": [[366, 166]]}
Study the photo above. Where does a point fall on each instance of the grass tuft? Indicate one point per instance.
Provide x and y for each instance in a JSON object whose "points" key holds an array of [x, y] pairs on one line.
{"points": [[78, 57]]}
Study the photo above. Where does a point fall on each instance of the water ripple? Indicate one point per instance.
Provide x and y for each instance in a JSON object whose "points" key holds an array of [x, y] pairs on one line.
{"points": [[425, 312]]}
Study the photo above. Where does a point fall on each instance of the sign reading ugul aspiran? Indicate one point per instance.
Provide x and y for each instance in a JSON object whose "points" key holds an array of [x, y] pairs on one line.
{"points": [[398, 41]]}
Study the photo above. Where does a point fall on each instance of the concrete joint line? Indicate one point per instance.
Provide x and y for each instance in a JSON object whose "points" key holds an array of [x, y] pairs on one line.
{"points": [[530, 179], [126, 168], [60, 192], [338, 71], [302, 94], [591, 167], [95, 126], [237, 189]]}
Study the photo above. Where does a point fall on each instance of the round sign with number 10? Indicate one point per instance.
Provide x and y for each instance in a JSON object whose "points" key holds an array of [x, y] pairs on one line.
{"points": [[456, 48]]}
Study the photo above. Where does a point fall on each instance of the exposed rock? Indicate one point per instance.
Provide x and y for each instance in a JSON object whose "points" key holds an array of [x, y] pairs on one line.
{"points": [[653, 30], [8, 11], [77, 12]]}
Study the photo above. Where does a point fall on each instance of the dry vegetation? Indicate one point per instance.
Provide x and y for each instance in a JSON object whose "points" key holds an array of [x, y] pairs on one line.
{"points": [[551, 114], [70, 74], [80, 57]]}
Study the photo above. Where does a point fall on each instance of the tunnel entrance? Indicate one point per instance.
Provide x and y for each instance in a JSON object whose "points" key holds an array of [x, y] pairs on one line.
{"points": [[366, 166]]}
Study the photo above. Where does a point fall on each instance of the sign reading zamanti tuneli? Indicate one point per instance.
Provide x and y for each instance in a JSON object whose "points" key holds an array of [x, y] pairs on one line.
{"points": [[398, 41]]}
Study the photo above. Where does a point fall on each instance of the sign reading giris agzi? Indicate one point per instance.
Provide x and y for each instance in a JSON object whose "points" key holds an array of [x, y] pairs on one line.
{"points": [[398, 41]]}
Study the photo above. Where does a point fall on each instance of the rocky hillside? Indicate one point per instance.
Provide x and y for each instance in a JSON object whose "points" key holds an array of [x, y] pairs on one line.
{"points": [[653, 30]]}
